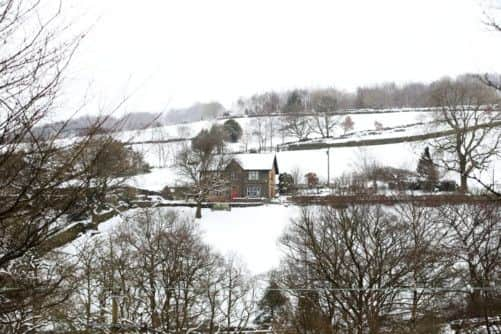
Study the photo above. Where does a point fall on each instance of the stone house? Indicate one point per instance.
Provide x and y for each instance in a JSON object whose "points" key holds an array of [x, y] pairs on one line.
{"points": [[249, 176]]}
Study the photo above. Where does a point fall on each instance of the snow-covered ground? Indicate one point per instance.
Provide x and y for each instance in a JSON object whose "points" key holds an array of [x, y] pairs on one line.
{"points": [[156, 180], [251, 233]]}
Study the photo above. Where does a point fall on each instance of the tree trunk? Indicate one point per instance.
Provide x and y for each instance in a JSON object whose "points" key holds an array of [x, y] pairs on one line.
{"points": [[464, 184], [198, 213], [114, 313], [414, 312], [463, 187]]}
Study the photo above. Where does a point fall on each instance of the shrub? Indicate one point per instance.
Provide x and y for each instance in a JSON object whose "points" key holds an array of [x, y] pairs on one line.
{"points": [[311, 180], [347, 124], [166, 193], [447, 185], [209, 141]]}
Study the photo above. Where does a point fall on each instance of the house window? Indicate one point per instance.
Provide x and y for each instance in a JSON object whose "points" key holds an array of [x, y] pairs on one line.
{"points": [[254, 175], [218, 192], [253, 191], [233, 175]]}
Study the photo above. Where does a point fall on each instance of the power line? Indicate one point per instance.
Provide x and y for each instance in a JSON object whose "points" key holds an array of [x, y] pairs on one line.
{"points": [[464, 289]]}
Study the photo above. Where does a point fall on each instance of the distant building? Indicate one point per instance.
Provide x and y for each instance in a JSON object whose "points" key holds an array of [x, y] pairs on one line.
{"points": [[249, 176]]}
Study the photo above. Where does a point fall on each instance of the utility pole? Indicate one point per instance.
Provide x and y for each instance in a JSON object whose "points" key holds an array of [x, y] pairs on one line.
{"points": [[493, 178], [328, 167]]}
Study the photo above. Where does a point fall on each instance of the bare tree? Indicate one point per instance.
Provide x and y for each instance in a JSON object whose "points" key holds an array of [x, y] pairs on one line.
{"points": [[183, 131], [473, 240], [297, 126], [272, 123], [428, 266], [352, 260], [202, 166], [41, 184], [324, 120], [238, 299], [160, 133], [260, 132], [245, 140], [463, 109], [153, 272], [297, 175], [347, 124]]}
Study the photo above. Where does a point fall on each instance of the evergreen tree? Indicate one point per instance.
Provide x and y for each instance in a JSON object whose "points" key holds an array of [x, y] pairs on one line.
{"points": [[427, 170], [271, 305], [285, 183], [233, 130], [295, 102]]}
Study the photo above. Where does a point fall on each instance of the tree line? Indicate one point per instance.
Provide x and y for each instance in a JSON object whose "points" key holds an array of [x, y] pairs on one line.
{"points": [[152, 272], [359, 269], [379, 96], [402, 269]]}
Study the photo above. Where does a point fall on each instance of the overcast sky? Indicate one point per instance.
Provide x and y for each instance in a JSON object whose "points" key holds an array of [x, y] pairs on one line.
{"points": [[169, 54]]}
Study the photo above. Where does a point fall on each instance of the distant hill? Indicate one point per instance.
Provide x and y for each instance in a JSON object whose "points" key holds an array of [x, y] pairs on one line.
{"points": [[140, 120], [73, 127], [197, 112], [132, 121]]}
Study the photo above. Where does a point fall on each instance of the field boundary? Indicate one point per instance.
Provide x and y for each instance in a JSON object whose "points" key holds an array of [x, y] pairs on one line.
{"points": [[300, 146], [432, 200]]}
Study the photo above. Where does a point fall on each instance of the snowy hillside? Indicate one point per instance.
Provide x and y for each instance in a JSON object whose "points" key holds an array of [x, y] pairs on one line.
{"points": [[395, 124], [362, 123]]}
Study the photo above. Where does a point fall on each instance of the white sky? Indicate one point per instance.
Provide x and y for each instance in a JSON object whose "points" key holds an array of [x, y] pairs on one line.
{"points": [[173, 53]]}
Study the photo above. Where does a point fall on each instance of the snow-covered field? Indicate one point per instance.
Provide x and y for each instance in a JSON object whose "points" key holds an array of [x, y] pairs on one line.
{"points": [[251, 234], [362, 122]]}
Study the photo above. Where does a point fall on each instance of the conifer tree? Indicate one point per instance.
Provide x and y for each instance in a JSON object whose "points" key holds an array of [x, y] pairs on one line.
{"points": [[427, 170], [271, 304]]}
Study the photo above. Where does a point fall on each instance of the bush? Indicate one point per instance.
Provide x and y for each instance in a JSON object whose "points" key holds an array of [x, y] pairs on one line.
{"points": [[311, 180], [447, 185], [108, 157], [166, 193], [209, 141]]}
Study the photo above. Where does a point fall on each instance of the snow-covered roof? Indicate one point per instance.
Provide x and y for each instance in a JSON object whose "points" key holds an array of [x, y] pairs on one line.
{"points": [[256, 161]]}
